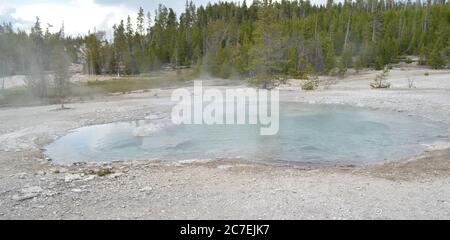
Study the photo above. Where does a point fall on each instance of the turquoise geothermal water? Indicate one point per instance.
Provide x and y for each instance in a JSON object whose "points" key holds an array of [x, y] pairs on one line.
{"points": [[309, 134]]}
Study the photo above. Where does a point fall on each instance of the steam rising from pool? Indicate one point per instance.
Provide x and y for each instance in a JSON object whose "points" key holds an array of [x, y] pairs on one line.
{"points": [[309, 134]]}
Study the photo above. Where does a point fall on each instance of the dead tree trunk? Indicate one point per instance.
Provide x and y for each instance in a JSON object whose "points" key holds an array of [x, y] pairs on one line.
{"points": [[2, 75], [374, 20], [400, 30], [347, 32], [425, 20]]}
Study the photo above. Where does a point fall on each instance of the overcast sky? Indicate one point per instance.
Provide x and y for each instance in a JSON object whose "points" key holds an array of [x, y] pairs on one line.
{"points": [[80, 16]]}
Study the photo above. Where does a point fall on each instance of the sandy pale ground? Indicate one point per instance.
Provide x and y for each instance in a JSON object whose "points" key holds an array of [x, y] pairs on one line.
{"points": [[33, 188]]}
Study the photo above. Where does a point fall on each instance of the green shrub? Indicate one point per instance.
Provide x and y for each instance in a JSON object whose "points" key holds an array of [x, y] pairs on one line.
{"points": [[312, 83], [436, 60], [380, 79]]}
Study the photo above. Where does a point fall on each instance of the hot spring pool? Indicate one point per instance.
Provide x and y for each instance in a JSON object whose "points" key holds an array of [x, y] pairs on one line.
{"points": [[309, 134]]}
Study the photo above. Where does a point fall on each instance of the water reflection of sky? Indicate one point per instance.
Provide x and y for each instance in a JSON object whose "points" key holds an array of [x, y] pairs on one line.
{"points": [[311, 134]]}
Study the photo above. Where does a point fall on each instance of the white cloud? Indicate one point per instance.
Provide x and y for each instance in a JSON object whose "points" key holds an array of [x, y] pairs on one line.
{"points": [[78, 16]]}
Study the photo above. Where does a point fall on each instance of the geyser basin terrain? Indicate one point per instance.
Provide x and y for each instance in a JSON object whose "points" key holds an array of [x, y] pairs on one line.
{"points": [[309, 134]]}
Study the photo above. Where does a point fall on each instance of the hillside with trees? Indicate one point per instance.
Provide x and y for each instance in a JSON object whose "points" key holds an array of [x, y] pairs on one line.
{"points": [[264, 38]]}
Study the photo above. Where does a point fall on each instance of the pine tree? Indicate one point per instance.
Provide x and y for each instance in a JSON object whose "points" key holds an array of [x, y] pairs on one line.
{"points": [[93, 54], [267, 52], [330, 59], [380, 79], [120, 49], [436, 59], [60, 66], [36, 77]]}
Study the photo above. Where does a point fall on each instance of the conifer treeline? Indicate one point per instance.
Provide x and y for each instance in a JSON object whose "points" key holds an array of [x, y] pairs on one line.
{"points": [[35, 52], [283, 37], [265, 37]]}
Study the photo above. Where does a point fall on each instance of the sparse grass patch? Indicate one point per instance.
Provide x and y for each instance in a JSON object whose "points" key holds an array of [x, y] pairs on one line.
{"points": [[23, 96], [132, 83], [18, 97]]}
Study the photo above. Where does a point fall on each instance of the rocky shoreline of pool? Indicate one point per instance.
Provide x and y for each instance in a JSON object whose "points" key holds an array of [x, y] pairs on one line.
{"points": [[31, 186]]}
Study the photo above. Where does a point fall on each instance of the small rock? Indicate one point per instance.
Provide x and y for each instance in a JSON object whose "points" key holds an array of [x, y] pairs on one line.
{"points": [[224, 167], [21, 175], [77, 190], [33, 189], [24, 197], [146, 189], [115, 175], [62, 170], [103, 172], [89, 178], [89, 172], [72, 177], [50, 193]]}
